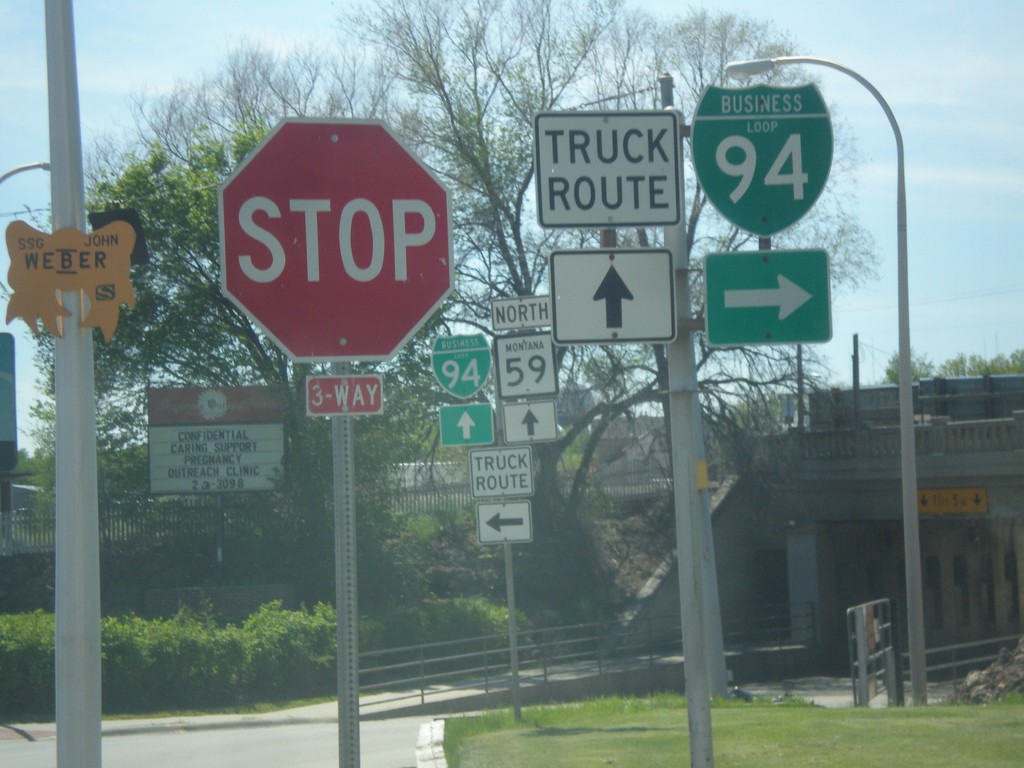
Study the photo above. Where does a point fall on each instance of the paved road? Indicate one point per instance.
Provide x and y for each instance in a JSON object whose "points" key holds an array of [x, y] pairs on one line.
{"points": [[304, 743], [305, 737]]}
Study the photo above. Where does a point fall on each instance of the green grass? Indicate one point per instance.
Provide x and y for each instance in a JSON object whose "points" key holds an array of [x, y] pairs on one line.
{"points": [[649, 733]]}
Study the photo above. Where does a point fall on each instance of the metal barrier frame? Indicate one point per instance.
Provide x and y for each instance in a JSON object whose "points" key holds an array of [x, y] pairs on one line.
{"points": [[873, 656]]}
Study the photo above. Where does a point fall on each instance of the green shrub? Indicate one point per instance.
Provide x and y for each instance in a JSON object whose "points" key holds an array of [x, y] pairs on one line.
{"points": [[189, 662], [291, 653], [26, 664], [434, 621], [179, 663]]}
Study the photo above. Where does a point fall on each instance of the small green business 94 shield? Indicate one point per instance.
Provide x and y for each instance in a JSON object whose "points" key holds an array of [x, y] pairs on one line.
{"points": [[462, 363]]}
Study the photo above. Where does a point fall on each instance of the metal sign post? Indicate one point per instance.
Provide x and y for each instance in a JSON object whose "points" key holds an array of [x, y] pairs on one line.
{"points": [[513, 632], [704, 667], [345, 585]]}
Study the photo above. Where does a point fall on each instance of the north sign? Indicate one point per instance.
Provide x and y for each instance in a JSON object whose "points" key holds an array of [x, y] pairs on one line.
{"points": [[767, 297], [461, 363], [520, 312], [762, 154], [607, 169], [612, 297], [335, 240]]}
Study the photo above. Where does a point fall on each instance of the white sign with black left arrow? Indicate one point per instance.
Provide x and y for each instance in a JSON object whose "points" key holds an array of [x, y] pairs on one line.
{"points": [[504, 522], [613, 296]]}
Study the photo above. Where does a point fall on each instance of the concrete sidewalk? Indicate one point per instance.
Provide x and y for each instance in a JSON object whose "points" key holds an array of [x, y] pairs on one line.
{"points": [[833, 692]]}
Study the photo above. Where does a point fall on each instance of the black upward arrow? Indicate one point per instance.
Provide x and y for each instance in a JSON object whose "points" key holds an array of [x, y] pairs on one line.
{"points": [[498, 521], [531, 421], [613, 292]]}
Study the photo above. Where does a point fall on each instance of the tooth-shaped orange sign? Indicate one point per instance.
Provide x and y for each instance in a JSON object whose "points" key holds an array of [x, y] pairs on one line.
{"points": [[43, 265]]}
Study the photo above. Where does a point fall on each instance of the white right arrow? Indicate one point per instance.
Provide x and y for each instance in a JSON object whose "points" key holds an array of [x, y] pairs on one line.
{"points": [[788, 297], [466, 424]]}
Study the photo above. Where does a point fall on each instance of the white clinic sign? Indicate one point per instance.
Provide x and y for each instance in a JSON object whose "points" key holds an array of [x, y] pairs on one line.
{"points": [[215, 440]]}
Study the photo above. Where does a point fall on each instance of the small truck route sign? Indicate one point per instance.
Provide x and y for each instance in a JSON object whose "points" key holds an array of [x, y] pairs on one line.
{"points": [[501, 472]]}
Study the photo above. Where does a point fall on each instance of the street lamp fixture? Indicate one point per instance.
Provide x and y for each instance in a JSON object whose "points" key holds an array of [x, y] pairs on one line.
{"points": [[27, 167], [743, 70]]}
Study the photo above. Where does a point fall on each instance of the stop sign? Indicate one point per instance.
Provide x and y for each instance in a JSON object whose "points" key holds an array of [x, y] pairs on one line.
{"points": [[335, 240]]}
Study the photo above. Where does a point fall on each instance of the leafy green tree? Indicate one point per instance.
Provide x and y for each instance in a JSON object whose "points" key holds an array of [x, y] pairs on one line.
{"points": [[977, 365], [960, 365], [920, 367], [184, 332], [472, 78], [462, 84]]}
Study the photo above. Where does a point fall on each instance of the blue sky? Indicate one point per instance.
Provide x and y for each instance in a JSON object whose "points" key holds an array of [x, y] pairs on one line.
{"points": [[948, 68]]}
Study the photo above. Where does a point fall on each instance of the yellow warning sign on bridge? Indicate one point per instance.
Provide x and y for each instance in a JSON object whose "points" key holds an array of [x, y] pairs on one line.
{"points": [[952, 501]]}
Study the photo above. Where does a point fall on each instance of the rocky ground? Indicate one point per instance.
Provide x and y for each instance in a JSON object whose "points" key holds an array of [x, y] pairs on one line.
{"points": [[1004, 676]]}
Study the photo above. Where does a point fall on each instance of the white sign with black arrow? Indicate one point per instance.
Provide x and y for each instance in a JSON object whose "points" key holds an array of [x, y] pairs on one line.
{"points": [[533, 422], [504, 522], [613, 296]]}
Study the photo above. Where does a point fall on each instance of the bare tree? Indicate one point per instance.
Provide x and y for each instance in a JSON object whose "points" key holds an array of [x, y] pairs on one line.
{"points": [[462, 83]]}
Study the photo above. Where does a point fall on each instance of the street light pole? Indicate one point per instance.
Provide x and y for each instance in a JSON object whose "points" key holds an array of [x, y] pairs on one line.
{"points": [[908, 464], [77, 650]]}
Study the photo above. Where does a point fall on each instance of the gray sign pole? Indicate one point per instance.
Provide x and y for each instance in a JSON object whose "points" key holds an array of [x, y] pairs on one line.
{"points": [[77, 594], [704, 667], [513, 633], [345, 585]]}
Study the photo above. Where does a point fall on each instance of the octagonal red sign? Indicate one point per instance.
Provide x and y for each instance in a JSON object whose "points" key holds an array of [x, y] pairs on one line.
{"points": [[335, 240]]}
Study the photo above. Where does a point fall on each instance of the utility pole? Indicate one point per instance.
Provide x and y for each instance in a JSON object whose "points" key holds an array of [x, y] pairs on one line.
{"points": [[77, 593], [704, 657]]}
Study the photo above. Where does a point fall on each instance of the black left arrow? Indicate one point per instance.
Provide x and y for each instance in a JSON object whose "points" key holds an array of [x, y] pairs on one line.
{"points": [[498, 521], [613, 291]]}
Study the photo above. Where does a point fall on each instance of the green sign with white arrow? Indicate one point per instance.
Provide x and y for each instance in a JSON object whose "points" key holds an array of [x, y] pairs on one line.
{"points": [[767, 297], [469, 424]]}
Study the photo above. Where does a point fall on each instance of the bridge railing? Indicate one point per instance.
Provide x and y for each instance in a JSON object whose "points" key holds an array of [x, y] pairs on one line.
{"points": [[938, 436]]}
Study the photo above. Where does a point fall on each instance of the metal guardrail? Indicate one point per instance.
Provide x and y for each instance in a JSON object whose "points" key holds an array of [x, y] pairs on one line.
{"points": [[952, 663], [770, 626], [874, 650], [483, 663]]}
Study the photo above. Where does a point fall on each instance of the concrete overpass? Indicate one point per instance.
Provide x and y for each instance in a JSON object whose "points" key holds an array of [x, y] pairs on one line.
{"points": [[816, 520]]}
